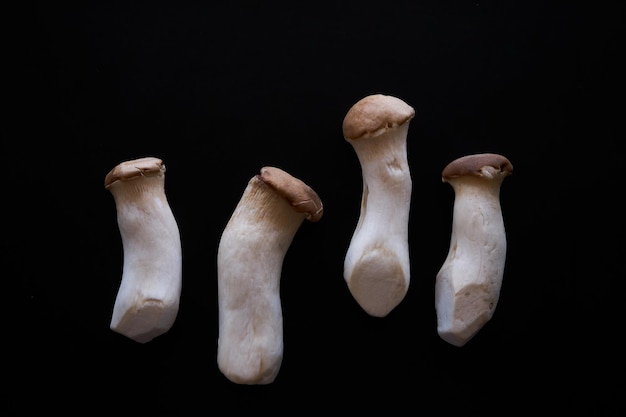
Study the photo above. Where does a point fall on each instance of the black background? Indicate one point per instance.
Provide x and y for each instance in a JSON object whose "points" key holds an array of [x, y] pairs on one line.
{"points": [[217, 92]]}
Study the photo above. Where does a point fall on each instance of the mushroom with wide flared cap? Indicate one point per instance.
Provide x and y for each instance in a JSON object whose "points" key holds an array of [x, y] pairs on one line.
{"points": [[468, 284]]}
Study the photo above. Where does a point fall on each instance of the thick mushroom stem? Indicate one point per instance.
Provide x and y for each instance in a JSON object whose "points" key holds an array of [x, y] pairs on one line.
{"points": [[250, 256], [147, 300], [377, 265], [468, 284]]}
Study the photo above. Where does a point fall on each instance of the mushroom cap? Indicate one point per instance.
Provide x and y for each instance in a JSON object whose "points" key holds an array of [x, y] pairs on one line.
{"points": [[134, 168], [469, 165], [375, 114], [301, 197]]}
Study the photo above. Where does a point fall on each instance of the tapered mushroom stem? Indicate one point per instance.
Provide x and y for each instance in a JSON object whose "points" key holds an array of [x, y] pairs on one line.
{"points": [[250, 257], [147, 301], [468, 284], [377, 265]]}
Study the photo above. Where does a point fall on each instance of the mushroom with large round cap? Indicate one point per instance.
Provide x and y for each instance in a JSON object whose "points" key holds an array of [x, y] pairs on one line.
{"points": [[467, 286], [148, 297], [250, 256], [377, 264]]}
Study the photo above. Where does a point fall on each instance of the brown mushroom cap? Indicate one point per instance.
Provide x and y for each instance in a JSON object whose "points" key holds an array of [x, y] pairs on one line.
{"points": [[301, 197], [374, 114], [473, 164], [135, 168]]}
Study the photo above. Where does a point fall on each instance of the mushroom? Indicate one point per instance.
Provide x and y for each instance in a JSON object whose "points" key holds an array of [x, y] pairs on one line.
{"points": [[468, 284], [376, 265], [147, 300], [249, 264]]}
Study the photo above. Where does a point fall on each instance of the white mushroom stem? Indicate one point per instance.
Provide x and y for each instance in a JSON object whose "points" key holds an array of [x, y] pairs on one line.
{"points": [[147, 301], [377, 265], [468, 284], [250, 257]]}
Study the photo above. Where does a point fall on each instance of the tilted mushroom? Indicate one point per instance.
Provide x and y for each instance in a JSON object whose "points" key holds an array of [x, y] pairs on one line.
{"points": [[249, 264], [468, 284], [377, 265], [147, 300]]}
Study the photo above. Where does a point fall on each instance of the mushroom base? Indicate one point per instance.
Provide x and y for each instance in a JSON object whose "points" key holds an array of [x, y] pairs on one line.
{"points": [[378, 282], [145, 320]]}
